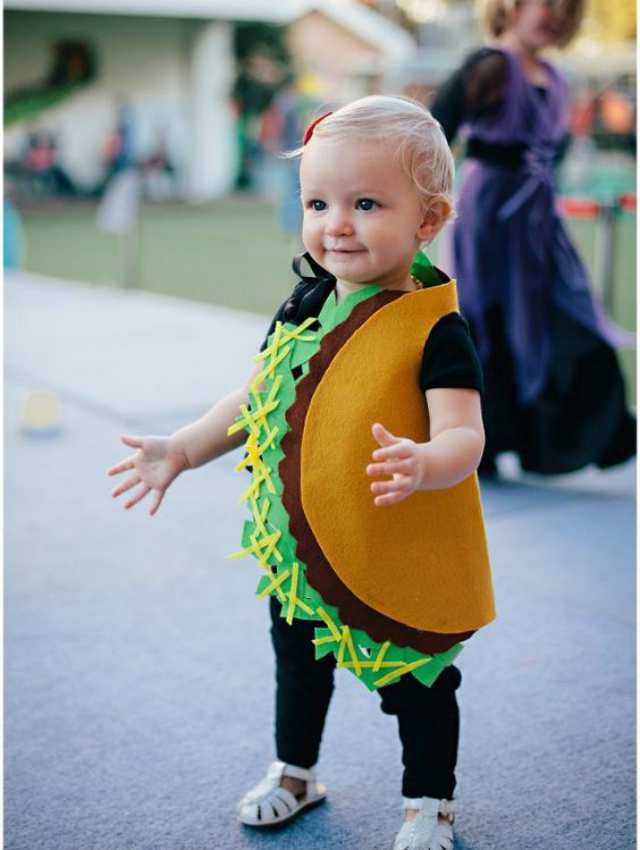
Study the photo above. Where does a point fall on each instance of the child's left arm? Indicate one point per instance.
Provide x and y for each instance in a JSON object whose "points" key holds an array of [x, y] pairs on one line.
{"points": [[452, 454]]}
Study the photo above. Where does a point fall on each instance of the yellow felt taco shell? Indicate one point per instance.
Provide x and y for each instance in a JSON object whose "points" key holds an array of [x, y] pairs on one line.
{"points": [[423, 562]]}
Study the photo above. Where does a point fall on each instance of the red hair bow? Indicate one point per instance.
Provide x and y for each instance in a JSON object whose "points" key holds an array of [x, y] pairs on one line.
{"points": [[309, 131]]}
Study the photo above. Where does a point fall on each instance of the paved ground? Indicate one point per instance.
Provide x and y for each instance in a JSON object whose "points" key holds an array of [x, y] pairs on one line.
{"points": [[138, 671]]}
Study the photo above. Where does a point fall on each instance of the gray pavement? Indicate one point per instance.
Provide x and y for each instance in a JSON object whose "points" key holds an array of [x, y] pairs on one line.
{"points": [[138, 673]]}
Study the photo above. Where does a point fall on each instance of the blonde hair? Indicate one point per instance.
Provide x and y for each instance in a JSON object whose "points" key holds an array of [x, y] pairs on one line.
{"points": [[494, 16], [418, 139]]}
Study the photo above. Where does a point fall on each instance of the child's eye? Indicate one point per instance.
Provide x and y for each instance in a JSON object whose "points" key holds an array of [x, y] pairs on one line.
{"points": [[317, 206], [366, 204]]}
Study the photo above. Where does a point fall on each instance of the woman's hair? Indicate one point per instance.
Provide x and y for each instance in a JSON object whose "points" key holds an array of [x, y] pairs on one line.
{"points": [[494, 16], [417, 138]]}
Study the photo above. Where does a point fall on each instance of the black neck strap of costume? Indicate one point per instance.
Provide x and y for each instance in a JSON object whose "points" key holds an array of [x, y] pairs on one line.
{"points": [[318, 272]]}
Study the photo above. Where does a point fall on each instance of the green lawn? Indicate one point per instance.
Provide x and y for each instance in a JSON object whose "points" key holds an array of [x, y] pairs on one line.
{"points": [[234, 253]]}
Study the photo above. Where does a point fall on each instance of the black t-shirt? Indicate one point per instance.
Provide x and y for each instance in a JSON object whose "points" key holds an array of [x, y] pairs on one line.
{"points": [[449, 359]]}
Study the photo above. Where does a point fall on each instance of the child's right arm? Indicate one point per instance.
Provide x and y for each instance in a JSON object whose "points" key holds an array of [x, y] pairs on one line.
{"points": [[159, 460]]}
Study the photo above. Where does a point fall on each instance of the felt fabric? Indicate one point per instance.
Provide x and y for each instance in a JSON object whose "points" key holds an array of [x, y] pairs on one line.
{"points": [[423, 562], [286, 359], [320, 574]]}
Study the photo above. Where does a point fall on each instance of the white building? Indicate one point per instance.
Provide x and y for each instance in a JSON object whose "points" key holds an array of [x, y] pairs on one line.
{"points": [[172, 62]]}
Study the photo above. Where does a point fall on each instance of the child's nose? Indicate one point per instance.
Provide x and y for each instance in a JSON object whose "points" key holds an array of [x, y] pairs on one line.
{"points": [[339, 224]]}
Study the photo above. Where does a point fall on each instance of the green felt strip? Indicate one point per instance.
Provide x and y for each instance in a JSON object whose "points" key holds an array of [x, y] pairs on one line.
{"points": [[247, 530], [264, 582], [303, 351]]}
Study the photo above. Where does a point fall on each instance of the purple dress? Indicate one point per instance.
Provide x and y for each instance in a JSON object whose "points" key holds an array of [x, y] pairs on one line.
{"points": [[554, 390]]}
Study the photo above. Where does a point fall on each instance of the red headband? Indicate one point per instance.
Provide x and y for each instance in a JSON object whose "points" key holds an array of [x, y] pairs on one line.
{"points": [[309, 131]]}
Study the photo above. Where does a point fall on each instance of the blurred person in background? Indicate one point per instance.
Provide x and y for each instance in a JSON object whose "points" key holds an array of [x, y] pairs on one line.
{"points": [[282, 129], [118, 148], [292, 109], [554, 390], [160, 174], [42, 168]]}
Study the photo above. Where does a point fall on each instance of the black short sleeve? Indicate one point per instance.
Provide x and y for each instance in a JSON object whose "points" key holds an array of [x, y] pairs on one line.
{"points": [[450, 359], [306, 300]]}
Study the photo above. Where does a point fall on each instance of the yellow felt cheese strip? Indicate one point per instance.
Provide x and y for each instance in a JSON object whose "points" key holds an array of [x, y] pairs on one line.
{"points": [[274, 584], [371, 664], [252, 419], [343, 644], [281, 338], [269, 370], [254, 452], [267, 543], [263, 473], [260, 515], [381, 654], [330, 624], [326, 639], [301, 604], [379, 683], [292, 593], [354, 656]]}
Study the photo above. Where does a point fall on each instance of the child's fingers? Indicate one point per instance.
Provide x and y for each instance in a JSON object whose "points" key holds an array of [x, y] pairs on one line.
{"points": [[398, 451], [122, 466], [394, 485], [384, 437], [126, 485], [157, 502], [390, 499], [401, 467], [142, 492], [133, 442]]}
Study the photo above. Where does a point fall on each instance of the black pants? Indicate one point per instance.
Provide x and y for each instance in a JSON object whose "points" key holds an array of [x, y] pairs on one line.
{"points": [[428, 718]]}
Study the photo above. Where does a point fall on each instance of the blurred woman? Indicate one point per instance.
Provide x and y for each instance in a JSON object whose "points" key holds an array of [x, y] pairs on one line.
{"points": [[554, 391]]}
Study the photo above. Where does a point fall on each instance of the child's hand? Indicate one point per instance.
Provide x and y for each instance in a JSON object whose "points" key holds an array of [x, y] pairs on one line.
{"points": [[156, 464], [400, 458]]}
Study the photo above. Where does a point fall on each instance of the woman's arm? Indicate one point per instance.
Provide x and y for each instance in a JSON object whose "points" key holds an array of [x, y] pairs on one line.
{"points": [[476, 87]]}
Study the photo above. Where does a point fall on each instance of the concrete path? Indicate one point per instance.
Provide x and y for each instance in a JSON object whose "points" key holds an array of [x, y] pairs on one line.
{"points": [[139, 679]]}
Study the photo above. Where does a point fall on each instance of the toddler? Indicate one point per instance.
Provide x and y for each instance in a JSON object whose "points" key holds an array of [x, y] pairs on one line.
{"points": [[370, 334]]}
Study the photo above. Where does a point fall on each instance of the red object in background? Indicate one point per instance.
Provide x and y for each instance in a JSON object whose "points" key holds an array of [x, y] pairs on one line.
{"points": [[628, 202], [271, 127], [586, 208], [582, 118], [579, 207], [616, 112]]}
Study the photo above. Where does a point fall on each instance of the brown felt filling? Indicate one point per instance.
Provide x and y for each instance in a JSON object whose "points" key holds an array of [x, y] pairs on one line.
{"points": [[319, 573]]}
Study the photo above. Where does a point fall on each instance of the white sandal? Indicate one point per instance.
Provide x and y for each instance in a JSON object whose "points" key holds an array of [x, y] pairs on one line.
{"points": [[425, 832], [269, 804]]}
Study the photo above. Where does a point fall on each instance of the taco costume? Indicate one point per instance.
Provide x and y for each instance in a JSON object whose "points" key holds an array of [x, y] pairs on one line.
{"points": [[395, 589]]}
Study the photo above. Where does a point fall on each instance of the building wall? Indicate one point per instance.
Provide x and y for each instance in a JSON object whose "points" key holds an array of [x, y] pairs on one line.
{"points": [[144, 62], [321, 46]]}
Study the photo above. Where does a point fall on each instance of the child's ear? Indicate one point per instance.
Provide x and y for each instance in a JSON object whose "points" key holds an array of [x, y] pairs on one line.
{"points": [[433, 219]]}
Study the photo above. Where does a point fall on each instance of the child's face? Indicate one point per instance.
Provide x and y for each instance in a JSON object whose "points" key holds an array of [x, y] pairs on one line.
{"points": [[539, 23], [363, 217]]}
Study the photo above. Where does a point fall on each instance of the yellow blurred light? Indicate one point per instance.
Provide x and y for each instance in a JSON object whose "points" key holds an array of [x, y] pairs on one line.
{"points": [[41, 411], [423, 10]]}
